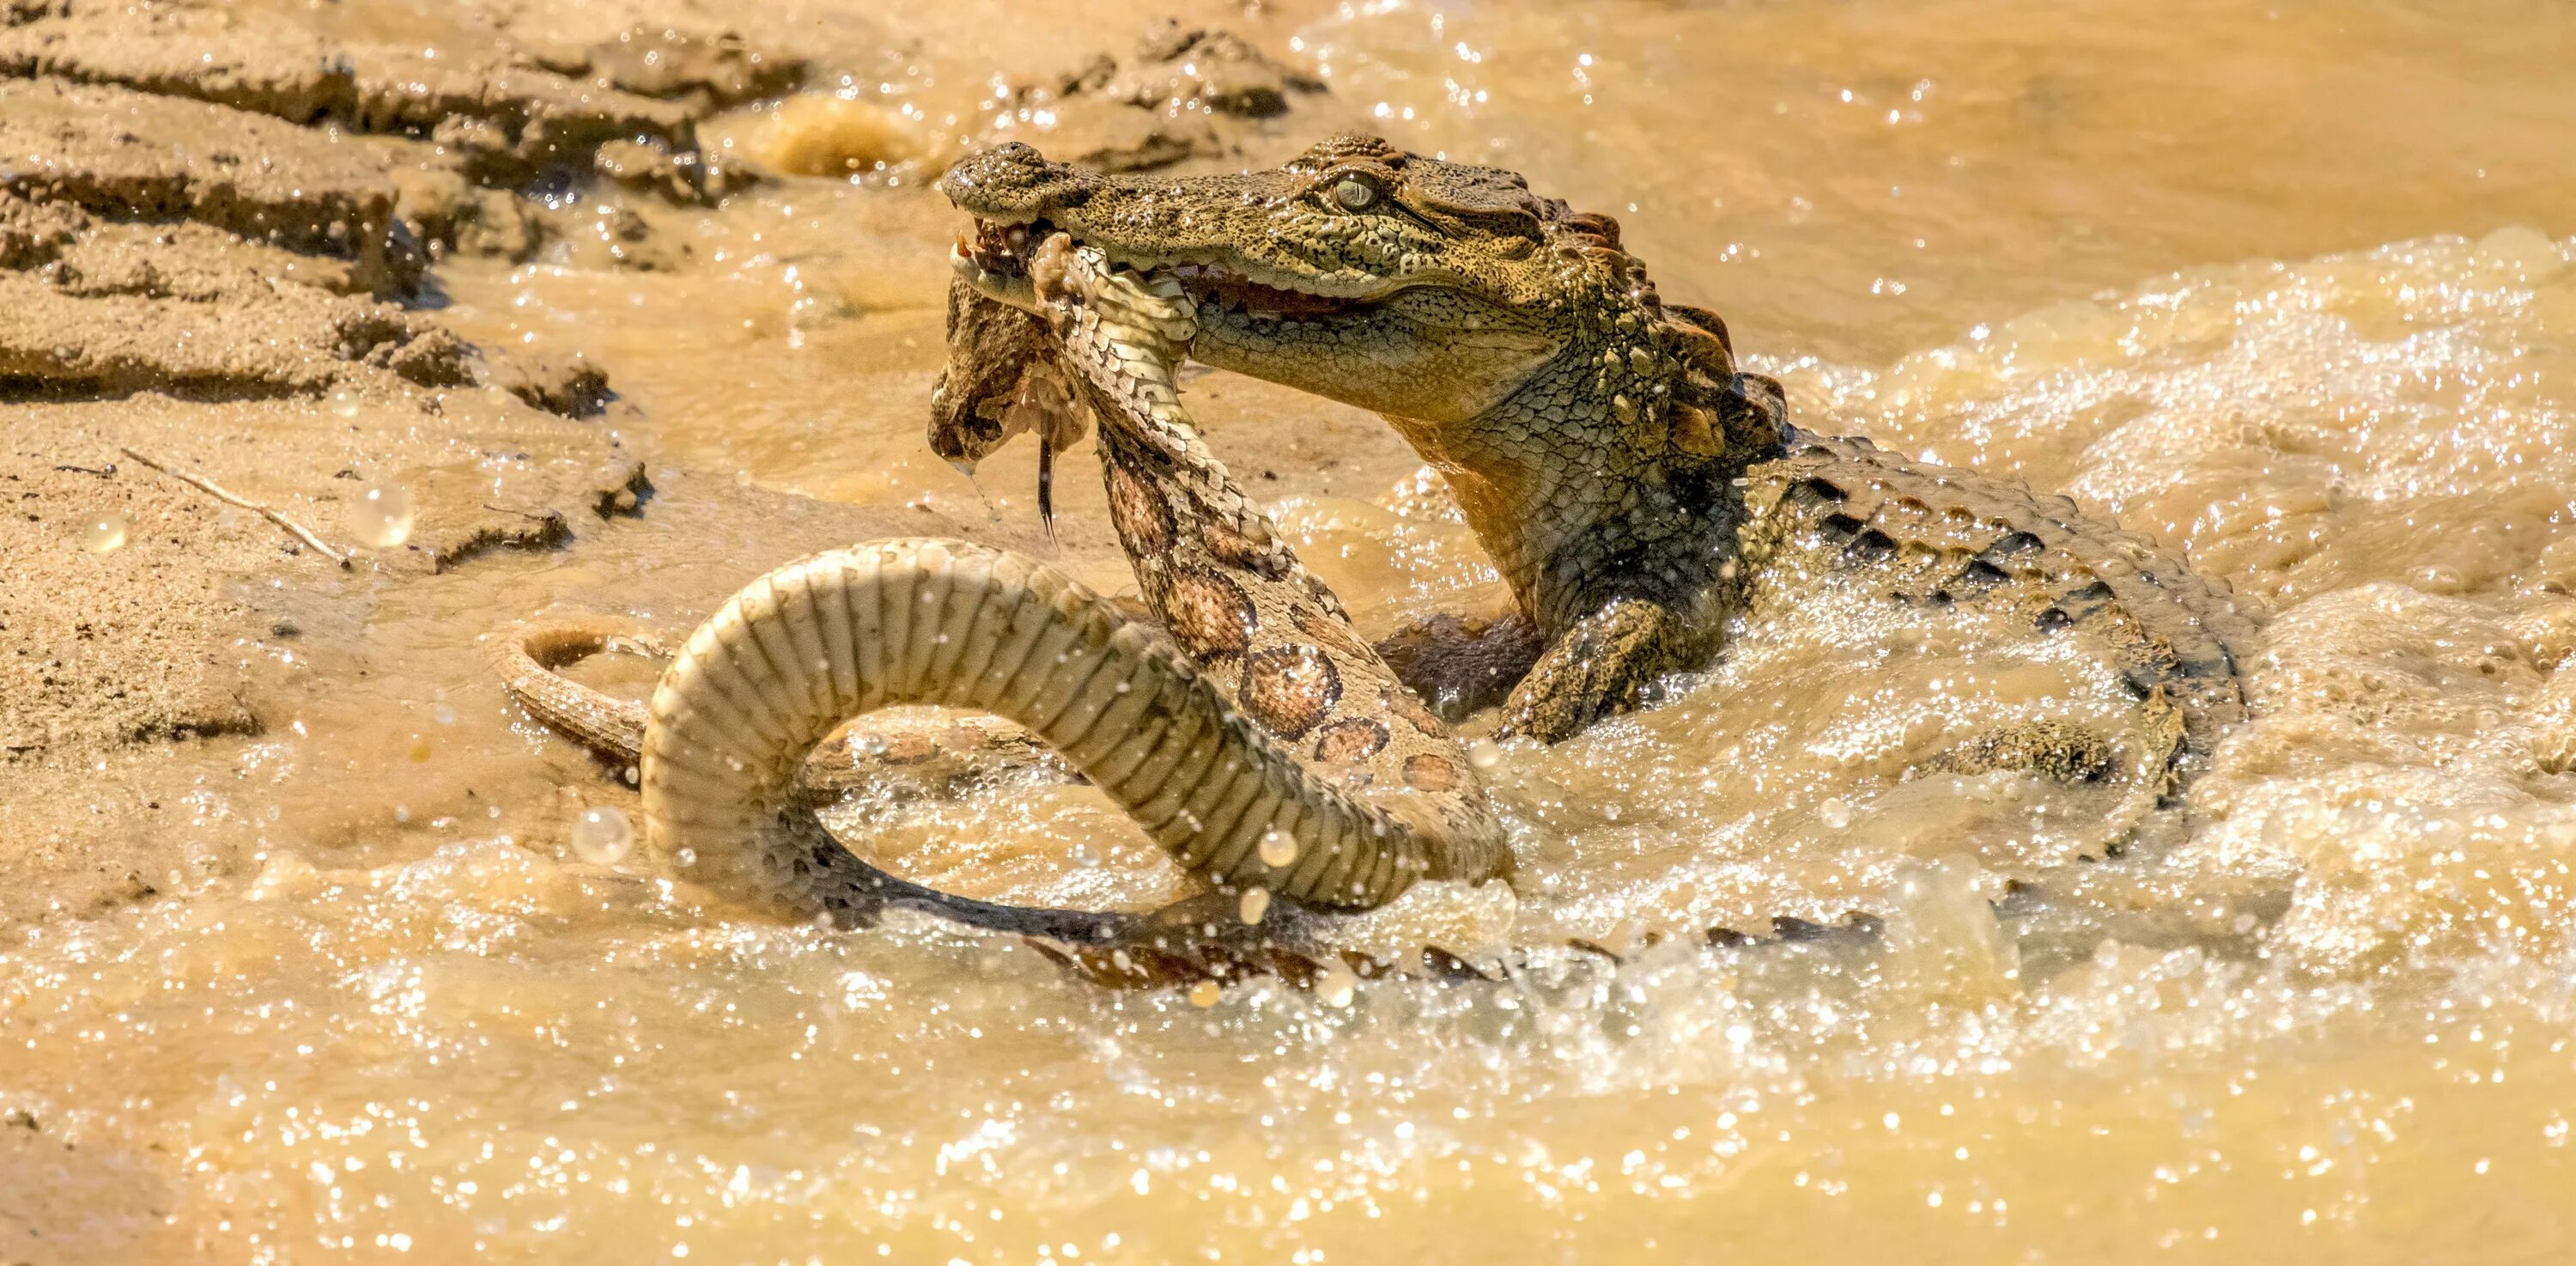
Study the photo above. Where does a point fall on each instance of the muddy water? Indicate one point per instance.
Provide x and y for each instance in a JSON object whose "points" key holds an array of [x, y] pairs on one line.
{"points": [[2294, 289]]}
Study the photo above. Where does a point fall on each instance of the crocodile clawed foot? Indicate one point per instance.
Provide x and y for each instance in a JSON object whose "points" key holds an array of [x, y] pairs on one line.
{"points": [[1199, 938], [1600, 666], [1206, 939]]}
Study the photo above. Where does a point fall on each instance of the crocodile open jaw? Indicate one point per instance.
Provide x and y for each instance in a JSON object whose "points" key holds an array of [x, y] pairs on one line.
{"points": [[996, 258]]}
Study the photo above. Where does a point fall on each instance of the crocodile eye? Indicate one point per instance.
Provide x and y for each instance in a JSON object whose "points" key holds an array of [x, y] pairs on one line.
{"points": [[1354, 194]]}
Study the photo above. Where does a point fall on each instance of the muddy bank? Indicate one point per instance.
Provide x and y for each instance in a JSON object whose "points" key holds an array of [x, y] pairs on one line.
{"points": [[216, 235]]}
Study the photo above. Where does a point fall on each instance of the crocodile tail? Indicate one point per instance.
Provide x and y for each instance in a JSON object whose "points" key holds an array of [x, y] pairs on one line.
{"points": [[816, 642]]}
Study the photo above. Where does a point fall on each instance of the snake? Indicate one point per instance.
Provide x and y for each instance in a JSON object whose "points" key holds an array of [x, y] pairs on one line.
{"points": [[1246, 728]]}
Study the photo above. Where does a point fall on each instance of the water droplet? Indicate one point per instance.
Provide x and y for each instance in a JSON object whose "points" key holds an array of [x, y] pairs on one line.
{"points": [[602, 836], [1278, 848], [1336, 985], [344, 402], [1206, 993], [1484, 753], [1835, 813], [1256, 903], [105, 534], [382, 516]]}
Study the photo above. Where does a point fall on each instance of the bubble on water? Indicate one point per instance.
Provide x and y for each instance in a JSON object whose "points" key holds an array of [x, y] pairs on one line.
{"points": [[443, 714], [344, 402], [1206, 993], [1278, 848], [1256, 903], [1336, 985], [105, 534], [602, 836], [1835, 813], [382, 516], [1484, 753], [418, 749]]}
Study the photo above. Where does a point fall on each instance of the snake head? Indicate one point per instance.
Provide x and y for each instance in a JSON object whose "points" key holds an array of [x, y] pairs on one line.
{"points": [[1001, 381]]}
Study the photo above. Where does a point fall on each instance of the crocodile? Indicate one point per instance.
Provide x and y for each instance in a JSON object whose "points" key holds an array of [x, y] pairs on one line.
{"points": [[1638, 491], [1641, 494]]}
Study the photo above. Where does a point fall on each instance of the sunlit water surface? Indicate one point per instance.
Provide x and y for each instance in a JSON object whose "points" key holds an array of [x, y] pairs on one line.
{"points": [[2292, 290]]}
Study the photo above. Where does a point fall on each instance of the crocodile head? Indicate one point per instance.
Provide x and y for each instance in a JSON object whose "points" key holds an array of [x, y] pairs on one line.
{"points": [[1508, 337], [1415, 287]]}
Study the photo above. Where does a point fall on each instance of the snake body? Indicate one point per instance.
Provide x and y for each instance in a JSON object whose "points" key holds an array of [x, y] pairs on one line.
{"points": [[1253, 735]]}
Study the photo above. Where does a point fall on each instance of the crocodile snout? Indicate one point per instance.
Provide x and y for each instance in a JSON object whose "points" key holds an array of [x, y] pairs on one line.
{"points": [[1014, 181]]}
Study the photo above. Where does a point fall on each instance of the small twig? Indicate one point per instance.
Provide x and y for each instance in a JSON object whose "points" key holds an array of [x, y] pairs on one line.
{"points": [[210, 488], [85, 470]]}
